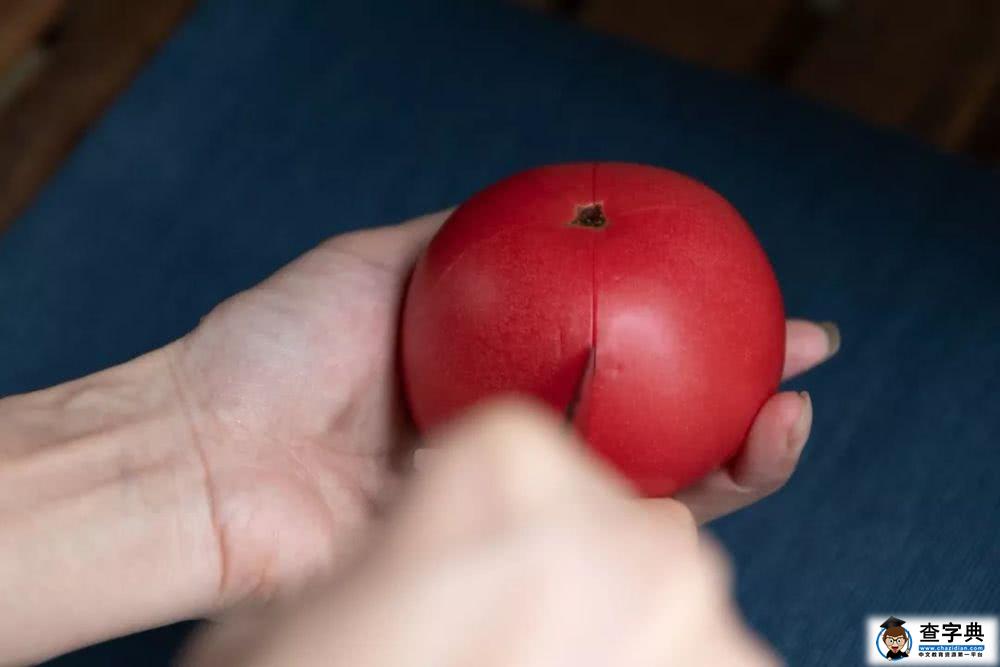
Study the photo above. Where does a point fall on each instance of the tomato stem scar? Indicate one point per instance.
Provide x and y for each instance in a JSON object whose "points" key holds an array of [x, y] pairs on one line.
{"points": [[591, 215]]}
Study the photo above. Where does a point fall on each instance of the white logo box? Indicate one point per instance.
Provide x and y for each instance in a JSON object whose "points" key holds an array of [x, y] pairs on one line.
{"points": [[922, 651]]}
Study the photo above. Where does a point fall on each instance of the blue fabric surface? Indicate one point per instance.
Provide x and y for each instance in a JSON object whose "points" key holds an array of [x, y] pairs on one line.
{"points": [[266, 126]]}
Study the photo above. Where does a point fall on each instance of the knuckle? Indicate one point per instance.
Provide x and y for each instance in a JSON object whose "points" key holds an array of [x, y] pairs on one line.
{"points": [[677, 515], [513, 417]]}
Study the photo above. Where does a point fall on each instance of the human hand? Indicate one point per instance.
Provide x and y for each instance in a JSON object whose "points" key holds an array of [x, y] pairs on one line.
{"points": [[292, 396], [248, 456], [513, 546]]}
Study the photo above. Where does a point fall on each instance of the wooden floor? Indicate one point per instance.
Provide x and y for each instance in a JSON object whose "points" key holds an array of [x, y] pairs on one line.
{"points": [[929, 67], [61, 63]]}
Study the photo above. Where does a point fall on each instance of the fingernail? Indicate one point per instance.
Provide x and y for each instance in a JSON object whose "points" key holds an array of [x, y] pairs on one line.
{"points": [[832, 332], [800, 430], [423, 459]]}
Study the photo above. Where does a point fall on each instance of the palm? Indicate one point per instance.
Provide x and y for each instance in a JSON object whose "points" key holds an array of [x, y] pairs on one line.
{"points": [[296, 406]]}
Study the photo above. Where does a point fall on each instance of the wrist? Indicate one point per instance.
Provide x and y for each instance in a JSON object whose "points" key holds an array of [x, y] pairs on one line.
{"points": [[106, 520]]}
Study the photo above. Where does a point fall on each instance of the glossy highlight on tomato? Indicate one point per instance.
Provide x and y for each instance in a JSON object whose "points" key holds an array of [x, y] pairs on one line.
{"points": [[655, 272]]}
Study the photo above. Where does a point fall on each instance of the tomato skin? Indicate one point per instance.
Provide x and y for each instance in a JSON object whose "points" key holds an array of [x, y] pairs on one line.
{"points": [[673, 292]]}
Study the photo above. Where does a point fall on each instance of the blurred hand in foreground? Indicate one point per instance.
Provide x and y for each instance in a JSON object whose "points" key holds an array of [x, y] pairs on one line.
{"points": [[510, 547]]}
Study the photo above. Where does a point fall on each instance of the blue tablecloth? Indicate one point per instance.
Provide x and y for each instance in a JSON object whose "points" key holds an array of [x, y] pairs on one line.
{"points": [[265, 126]]}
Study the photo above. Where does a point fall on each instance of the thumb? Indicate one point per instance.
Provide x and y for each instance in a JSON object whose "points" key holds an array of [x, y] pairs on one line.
{"points": [[497, 464]]}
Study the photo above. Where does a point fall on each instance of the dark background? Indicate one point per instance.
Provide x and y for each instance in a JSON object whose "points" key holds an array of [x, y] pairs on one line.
{"points": [[929, 68]]}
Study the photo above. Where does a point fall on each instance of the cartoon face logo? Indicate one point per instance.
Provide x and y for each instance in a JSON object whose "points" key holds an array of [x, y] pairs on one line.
{"points": [[895, 638]]}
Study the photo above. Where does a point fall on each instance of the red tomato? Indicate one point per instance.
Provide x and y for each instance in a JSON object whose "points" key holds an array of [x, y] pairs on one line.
{"points": [[653, 270]]}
